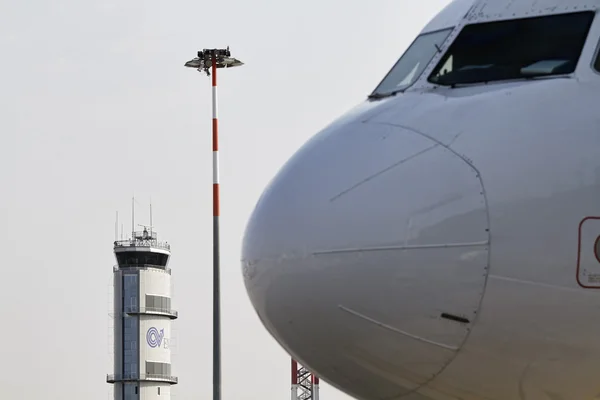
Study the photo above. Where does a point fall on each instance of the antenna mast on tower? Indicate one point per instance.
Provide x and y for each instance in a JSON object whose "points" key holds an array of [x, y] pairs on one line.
{"points": [[132, 217]]}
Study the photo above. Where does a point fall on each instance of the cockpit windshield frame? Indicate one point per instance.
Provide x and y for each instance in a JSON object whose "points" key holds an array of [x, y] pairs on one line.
{"points": [[410, 66], [522, 48]]}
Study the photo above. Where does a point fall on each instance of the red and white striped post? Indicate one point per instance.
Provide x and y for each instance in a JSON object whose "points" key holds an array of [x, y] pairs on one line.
{"points": [[213, 59], [215, 140], [315, 387], [216, 249], [305, 384], [294, 380]]}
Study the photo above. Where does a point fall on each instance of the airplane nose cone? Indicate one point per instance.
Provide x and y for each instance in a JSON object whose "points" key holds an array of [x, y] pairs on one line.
{"points": [[367, 255]]}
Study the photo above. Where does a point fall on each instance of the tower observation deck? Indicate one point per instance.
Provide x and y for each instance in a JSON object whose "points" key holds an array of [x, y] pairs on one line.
{"points": [[143, 315]]}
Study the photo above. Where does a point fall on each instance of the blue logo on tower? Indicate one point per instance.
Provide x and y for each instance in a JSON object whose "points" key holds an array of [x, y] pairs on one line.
{"points": [[154, 337]]}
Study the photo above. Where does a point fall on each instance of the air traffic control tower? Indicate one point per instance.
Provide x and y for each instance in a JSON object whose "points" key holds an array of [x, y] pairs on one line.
{"points": [[142, 316]]}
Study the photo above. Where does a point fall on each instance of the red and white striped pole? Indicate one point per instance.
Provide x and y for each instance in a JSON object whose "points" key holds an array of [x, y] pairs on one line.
{"points": [[216, 253], [218, 58], [215, 139], [305, 384], [294, 380], [315, 387]]}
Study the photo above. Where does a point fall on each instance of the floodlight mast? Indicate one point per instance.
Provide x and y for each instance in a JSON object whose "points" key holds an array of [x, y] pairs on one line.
{"points": [[209, 60]]}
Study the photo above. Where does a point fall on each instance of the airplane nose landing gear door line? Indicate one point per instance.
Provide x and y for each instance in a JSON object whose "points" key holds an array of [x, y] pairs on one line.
{"points": [[429, 284]]}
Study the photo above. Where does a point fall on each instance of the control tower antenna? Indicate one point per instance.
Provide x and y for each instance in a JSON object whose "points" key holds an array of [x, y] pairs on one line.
{"points": [[132, 217], [143, 316]]}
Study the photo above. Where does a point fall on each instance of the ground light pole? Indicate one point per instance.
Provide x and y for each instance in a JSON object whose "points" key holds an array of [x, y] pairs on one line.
{"points": [[209, 60]]}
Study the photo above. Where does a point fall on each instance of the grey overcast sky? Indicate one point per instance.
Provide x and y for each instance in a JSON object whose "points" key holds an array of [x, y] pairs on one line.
{"points": [[96, 106]]}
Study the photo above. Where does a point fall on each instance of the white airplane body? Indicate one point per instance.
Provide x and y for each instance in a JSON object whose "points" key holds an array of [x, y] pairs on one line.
{"points": [[443, 242]]}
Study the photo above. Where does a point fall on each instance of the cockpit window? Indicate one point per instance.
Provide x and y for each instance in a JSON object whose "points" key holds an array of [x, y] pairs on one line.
{"points": [[597, 62], [412, 63], [514, 49]]}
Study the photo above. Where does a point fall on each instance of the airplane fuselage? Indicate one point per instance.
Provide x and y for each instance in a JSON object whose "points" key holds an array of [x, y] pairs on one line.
{"points": [[443, 242]]}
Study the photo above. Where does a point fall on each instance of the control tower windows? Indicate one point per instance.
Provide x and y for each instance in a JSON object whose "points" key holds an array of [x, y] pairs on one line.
{"points": [[141, 258]]}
